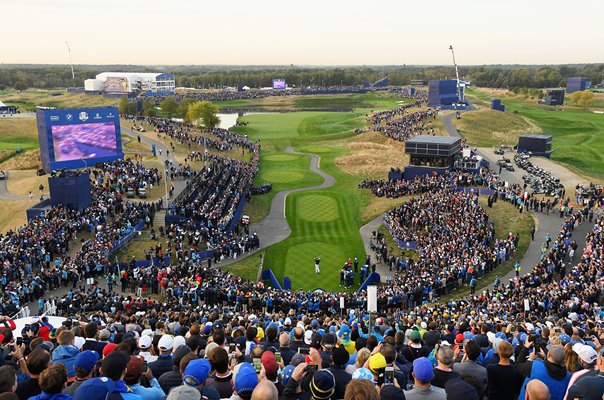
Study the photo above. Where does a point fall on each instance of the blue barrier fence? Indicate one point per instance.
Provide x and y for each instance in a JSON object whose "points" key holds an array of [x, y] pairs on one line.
{"points": [[480, 190], [373, 277], [267, 274], [408, 245]]}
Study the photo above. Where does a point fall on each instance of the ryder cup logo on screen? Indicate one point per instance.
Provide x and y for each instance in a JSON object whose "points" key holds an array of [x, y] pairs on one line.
{"points": [[83, 116], [69, 117]]}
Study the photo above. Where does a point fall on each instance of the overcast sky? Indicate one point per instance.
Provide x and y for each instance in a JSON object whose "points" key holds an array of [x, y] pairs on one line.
{"points": [[317, 32]]}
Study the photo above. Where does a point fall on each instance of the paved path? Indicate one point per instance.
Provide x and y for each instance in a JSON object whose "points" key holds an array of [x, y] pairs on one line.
{"points": [[5, 194], [179, 184], [544, 224]]}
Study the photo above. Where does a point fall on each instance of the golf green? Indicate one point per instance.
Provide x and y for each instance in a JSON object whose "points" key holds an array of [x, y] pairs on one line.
{"points": [[316, 208], [281, 157], [282, 176]]}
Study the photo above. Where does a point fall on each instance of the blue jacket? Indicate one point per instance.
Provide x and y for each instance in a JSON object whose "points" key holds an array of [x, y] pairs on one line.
{"points": [[122, 391], [155, 392], [557, 387], [46, 396], [66, 355]]}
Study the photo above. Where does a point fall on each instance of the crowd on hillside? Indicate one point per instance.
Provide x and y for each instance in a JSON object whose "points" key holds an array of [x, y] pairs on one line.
{"points": [[39, 256], [400, 125], [539, 336]]}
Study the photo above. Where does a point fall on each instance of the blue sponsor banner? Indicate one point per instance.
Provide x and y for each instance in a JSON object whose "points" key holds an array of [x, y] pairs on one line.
{"points": [[403, 244], [78, 137]]}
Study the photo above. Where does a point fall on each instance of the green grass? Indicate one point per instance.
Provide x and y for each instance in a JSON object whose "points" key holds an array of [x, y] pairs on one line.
{"points": [[247, 268], [284, 172], [17, 132], [578, 135], [349, 102], [323, 225], [488, 128]]}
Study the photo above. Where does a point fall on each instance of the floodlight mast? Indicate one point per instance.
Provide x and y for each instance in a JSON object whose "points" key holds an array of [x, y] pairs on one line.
{"points": [[456, 74], [70, 62]]}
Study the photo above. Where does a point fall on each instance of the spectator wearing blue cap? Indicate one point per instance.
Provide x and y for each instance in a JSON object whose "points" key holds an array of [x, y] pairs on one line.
{"points": [[423, 373], [84, 366], [95, 389], [196, 374], [246, 380]]}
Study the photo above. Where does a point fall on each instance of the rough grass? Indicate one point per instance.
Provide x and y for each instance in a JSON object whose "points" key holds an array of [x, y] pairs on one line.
{"points": [[21, 182], [18, 132], [372, 155], [12, 213], [22, 161], [29, 99], [487, 128]]}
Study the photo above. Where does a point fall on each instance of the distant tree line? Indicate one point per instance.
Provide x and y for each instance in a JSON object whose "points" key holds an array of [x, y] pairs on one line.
{"points": [[504, 76]]}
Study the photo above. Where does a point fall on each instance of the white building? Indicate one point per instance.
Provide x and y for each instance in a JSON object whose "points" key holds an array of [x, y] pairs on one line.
{"points": [[129, 82]]}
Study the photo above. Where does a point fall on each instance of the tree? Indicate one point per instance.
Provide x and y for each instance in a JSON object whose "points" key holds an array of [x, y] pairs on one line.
{"points": [[20, 86], [149, 108], [204, 112], [582, 99], [169, 106], [183, 107], [123, 107]]}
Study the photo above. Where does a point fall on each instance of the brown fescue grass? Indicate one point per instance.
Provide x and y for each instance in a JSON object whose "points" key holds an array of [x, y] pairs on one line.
{"points": [[23, 161], [372, 155], [12, 213]]}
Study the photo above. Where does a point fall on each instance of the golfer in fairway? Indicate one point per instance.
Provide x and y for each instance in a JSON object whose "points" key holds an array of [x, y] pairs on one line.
{"points": [[317, 262]]}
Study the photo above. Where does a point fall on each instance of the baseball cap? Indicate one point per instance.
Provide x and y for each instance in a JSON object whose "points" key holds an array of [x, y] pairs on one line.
{"points": [[377, 362], [459, 338], [79, 341], [307, 337], [109, 347], [415, 335], [585, 353], [323, 384], [269, 362], [184, 393], [329, 340], [362, 373], [246, 380], [196, 372], [166, 342], [423, 369], [287, 373], [134, 370], [145, 342], [94, 389], [86, 360], [178, 341]]}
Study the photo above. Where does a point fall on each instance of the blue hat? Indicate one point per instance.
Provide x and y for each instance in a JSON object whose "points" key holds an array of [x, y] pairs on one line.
{"points": [[196, 372], [500, 335], [362, 373], [423, 369], [207, 329], [322, 385], [314, 323], [94, 389], [468, 335], [564, 338], [86, 360], [287, 373], [522, 337], [345, 335], [246, 379], [218, 325], [333, 329]]}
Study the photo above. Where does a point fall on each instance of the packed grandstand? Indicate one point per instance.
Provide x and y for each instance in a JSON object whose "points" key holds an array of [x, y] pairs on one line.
{"points": [[178, 327]]}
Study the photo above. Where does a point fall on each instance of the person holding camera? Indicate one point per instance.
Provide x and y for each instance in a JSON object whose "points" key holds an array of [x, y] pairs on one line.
{"points": [[546, 367]]}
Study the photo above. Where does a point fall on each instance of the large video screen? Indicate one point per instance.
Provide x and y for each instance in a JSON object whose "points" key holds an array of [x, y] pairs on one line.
{"points": [[116, 85], [74, 142], [278, 83]]}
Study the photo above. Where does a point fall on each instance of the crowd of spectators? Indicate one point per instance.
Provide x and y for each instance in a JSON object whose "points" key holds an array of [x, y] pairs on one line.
{"points": [[400, 125], [539, 336]]}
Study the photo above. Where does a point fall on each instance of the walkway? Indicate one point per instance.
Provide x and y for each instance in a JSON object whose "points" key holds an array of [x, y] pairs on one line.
{"points": [[5, 194], [544, 224]]}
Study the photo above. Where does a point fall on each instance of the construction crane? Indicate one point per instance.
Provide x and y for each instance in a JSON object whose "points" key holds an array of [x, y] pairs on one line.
{"points": [[457, 75], [70, 62]]}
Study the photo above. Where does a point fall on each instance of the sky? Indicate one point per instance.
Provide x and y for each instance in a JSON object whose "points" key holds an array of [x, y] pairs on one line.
{"points": [[308, 32]]}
